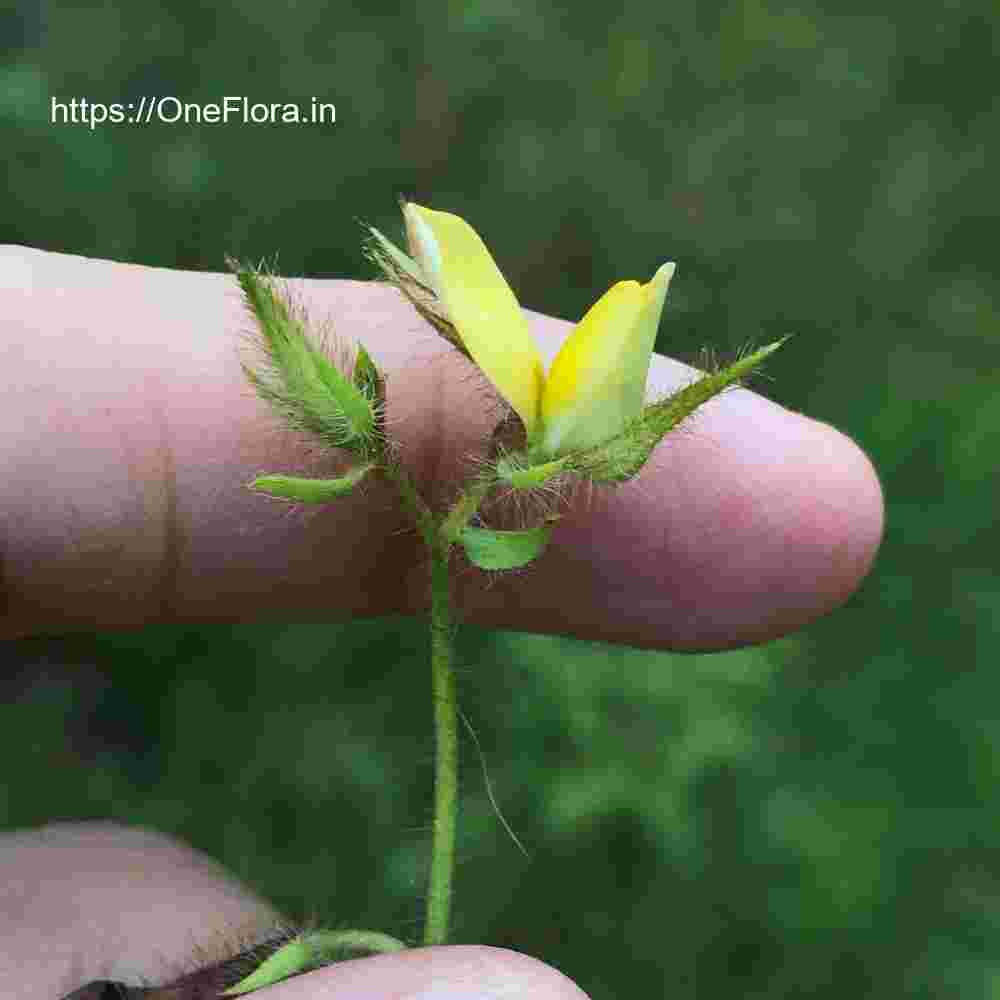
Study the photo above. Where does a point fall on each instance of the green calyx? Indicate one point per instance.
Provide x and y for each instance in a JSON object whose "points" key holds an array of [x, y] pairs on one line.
{"points": [[299, 379], [405, 274], [512, 471], [622, 457]]}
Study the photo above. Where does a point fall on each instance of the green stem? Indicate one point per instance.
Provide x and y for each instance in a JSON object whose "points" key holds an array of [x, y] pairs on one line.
{"points": [[440, 535], [412, 500], [446, 758]]}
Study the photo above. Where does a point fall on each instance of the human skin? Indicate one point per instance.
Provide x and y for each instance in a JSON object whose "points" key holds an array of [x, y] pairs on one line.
{"points": [[84, 902], [126, 433]]}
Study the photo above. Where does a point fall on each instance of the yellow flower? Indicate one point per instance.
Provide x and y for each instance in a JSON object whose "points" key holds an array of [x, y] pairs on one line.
{"points": [[597, 381]]}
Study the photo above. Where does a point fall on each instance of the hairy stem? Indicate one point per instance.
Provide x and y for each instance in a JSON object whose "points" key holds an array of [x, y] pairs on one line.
{"points": [[446, 757], [412, 499], [439, 534]]}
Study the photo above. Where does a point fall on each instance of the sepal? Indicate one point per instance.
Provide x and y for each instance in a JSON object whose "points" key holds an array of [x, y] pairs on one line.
{"points": [[405, 274], [517, 471]]}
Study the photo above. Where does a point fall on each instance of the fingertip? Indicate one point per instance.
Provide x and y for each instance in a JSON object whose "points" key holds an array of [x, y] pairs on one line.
{"points": [[799, 516], [456, 972], [749, 522], [842, 520]]}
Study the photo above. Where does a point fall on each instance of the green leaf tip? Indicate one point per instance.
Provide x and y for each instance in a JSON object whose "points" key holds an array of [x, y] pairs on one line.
{"points": [[496, 550], [300, 489], [371, 382], [298, 378], [293, 958], [407, 276], [391, 261], [366, 376], [313, 950]]}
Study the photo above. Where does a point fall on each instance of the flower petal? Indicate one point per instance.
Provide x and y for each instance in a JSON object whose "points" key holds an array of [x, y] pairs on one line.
{"points": [[481, 305], [598, 379], [583, 401], [655, 292]]}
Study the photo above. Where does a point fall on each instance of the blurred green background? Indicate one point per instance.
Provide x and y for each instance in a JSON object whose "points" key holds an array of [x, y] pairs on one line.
{"points": [[816, 817]]}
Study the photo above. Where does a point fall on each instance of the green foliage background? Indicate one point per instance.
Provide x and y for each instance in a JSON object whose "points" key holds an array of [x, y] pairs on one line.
{"points": [[817, 817]]}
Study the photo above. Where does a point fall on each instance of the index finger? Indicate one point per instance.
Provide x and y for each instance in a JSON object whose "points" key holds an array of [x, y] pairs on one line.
{"points": [[127, 433]]}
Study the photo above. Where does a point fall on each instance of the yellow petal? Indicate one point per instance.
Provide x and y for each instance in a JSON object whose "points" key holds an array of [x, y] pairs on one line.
{"points": [[481, 306], [655, 292], [598, 379]]}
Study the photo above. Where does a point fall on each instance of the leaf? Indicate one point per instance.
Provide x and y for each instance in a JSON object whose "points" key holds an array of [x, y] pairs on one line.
{"points": [[300, 489], [310, 951], [366, 375], [370, 381], [352, 402], [294, 957], [489, 549], [298, 378]]}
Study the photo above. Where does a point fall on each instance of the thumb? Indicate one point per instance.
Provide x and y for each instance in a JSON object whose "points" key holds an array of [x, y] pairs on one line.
{"points": [[460, 972], [81, 902]]}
